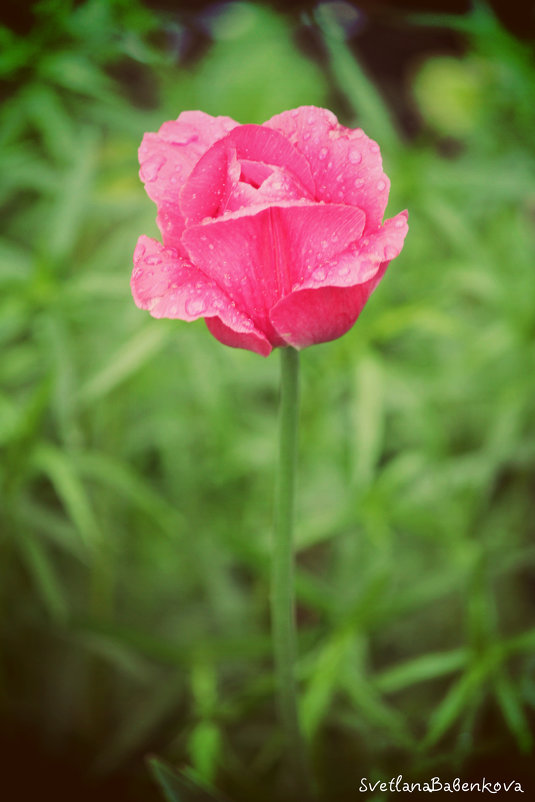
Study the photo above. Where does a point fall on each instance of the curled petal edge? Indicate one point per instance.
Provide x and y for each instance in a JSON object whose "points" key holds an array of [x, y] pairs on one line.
{"points": [[316, 313], [169, 286]]}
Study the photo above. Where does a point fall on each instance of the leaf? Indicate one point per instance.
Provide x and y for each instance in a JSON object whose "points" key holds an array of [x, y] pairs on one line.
{"points": [[366, 100], [180, 787], [367, 419], [142, 720], [116, 475], [507, 696], [453, 705], [204, 746], [61, 471], [324, 680], [126, 361], [423, 668], [44, 574]]}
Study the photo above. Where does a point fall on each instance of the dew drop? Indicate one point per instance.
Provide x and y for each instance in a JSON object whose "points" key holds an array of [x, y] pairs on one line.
{"points": [[381, 185], [344, 271], [150, 169], [153, 259], [319, 274], [211, 246], [400, 222], [390, 252], [322, 154], [374, 147], [355, 157], [195, 306], [359, 182]]}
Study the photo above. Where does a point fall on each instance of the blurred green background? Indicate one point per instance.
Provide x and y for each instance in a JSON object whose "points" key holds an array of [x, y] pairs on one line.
{"points": [[138, 455]]}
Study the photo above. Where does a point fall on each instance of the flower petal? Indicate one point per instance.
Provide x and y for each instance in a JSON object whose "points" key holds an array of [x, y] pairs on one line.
{"points": [[361, 261], [308, 317], [329, 303], [207, 190], [168, 157], [345, 163], [260, 257], [211, 181], [169, 286]]}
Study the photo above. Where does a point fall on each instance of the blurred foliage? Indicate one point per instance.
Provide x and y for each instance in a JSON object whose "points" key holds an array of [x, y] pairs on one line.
{"points": [[137, 455]]}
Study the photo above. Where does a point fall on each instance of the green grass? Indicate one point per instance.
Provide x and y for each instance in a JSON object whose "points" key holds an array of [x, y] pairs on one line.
{"points": [[136, 481]]}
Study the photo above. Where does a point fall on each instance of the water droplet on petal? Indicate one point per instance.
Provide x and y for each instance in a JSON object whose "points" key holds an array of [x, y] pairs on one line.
{"points": [[153, 259], [195, 306], [359, 182], [319, 274], [390, 252], [211, 246], [355, 156], [400, 222], [322, 154], [344, 271], [150, 169], [381, 185]]}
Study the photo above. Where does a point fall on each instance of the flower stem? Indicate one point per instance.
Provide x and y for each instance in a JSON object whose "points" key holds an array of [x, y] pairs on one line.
{"points": [[282, 588]]}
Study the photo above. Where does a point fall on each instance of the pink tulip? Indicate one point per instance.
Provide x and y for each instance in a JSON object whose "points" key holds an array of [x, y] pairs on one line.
{"points": [[272, 233]]}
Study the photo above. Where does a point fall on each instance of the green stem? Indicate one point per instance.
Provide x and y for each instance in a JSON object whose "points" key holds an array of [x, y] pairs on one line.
{"points": [[282, 588]]}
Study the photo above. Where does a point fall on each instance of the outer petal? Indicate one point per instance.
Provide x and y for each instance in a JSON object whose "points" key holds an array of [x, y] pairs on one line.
{"points": [[169, 286], [168, 157], [345, 163], [260, 257], [329, 303], [361, 261]]}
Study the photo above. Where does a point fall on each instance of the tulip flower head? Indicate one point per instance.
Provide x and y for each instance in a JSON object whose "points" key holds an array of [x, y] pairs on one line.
{"points": [[272, 233]]}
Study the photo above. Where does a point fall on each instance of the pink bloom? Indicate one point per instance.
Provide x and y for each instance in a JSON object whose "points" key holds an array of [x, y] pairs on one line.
{"points": [[272, 233]]}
